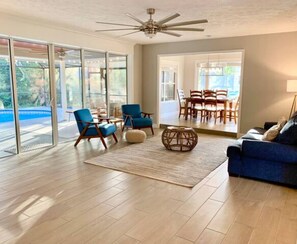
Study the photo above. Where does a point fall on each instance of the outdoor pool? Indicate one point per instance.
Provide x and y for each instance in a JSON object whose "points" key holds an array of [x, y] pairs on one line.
{"points": [[6, 115]]}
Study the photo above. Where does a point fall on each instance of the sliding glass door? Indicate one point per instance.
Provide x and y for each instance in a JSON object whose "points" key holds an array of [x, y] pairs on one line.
{"points": [[7, 121], [95, 81], [33, 95], [69, 91], [117, 83]]}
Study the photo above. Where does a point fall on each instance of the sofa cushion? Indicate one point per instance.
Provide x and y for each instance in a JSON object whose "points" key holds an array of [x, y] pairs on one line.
{"points": [[288, 134], [270, 151], [257, 130], [252, 136]]}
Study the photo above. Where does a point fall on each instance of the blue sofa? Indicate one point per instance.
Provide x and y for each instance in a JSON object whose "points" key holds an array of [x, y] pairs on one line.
{"points": [[264, 160]]}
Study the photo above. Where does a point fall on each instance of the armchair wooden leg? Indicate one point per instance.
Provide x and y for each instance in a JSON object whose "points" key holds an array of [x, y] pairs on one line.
{"points": [[103, 142], [78, 140], [115, 137], [152, 130]]}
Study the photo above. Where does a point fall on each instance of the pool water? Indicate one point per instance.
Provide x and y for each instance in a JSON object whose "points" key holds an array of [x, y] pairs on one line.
{"points": [[6, 115]]}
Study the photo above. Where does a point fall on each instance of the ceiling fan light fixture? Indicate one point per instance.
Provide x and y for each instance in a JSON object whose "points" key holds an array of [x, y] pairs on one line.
{"points": [[151, 27], [150, 33]]}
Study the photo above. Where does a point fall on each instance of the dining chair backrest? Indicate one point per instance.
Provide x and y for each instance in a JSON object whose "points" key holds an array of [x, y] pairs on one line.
{"points": [[196, 93], [223, 93], [209, 94], [210, 97], [180, 95]]}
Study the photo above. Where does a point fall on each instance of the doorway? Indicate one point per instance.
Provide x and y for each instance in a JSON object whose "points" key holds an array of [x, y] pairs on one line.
{"points": [[203, 71]]}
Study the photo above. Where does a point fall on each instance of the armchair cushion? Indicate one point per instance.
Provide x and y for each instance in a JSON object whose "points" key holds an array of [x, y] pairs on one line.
{"points": [[107, 129], [82, 116], [132, 109], [142, 122]]}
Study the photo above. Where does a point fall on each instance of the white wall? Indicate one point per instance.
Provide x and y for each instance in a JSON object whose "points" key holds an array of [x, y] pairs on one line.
{"points": [[137, 71], [269, 60], [19, 27]]}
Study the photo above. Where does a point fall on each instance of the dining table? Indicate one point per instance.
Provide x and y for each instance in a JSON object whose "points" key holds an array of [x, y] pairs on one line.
{"points": [[190, 100]]}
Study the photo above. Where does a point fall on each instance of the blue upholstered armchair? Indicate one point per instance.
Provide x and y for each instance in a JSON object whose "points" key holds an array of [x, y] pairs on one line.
{"points": [[135, 118], [90, 129]]}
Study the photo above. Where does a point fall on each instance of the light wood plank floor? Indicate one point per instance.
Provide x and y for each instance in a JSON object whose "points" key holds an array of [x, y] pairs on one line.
{"points": [[51, 196]]}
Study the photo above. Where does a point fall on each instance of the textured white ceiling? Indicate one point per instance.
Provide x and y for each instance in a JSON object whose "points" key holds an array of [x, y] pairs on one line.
{"points": [[226, 17]]}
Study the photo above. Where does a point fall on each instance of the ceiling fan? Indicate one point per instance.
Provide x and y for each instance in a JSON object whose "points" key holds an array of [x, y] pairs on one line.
{"points": [[151, 27]]}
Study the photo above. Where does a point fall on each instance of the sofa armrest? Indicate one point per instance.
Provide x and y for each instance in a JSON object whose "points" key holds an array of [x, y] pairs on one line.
{"points": [[268, 125], [234, 150], [271, 151]]}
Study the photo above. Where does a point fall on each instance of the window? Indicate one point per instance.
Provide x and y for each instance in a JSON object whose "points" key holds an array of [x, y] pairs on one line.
{"points": [[230, 80], [168, 83]]}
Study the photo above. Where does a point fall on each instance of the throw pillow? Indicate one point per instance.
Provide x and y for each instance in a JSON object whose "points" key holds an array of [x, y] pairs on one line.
{"points": [[272, 133], [281, 122], [288, 134]]}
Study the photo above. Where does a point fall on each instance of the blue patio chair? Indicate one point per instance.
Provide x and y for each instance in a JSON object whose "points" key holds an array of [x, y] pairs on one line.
{"points": [[90, 129], [135, 118]]}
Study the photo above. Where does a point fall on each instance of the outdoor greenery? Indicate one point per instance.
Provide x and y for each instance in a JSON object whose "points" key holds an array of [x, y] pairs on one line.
{"points": [[33, 84], [5, 89]]}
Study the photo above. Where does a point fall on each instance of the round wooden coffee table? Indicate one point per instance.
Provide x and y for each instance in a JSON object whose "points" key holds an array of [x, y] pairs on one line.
{"points": [[179, 138]]}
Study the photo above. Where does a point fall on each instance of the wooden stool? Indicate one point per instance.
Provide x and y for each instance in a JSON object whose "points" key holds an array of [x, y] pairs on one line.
{"points": [[117, 121], [179, 138]]}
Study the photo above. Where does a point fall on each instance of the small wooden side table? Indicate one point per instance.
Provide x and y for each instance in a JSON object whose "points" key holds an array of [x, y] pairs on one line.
{"points": [[179, 138], [117, 121]]}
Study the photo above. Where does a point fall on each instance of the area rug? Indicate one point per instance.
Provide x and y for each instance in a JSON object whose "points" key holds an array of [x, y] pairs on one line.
{"points": [[151, 159]]}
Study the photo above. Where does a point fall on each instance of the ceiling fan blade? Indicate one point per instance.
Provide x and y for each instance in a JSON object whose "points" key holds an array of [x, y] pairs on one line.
{"points": [[170, 33], [136, 19], [118, 29], [165, 20], [107, 23], [192, 22], [129, 33], [185, 29]]}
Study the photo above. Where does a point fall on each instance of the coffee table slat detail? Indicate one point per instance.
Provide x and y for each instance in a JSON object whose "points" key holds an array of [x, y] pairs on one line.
{"points": [[179, 138]]}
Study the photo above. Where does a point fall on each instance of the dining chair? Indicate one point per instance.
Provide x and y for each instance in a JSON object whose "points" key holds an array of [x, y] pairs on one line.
{"points": [[211, 106], [88, 128], [221, 94], [136, 119], [197, 105], [182, 103], [232, 110]]}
